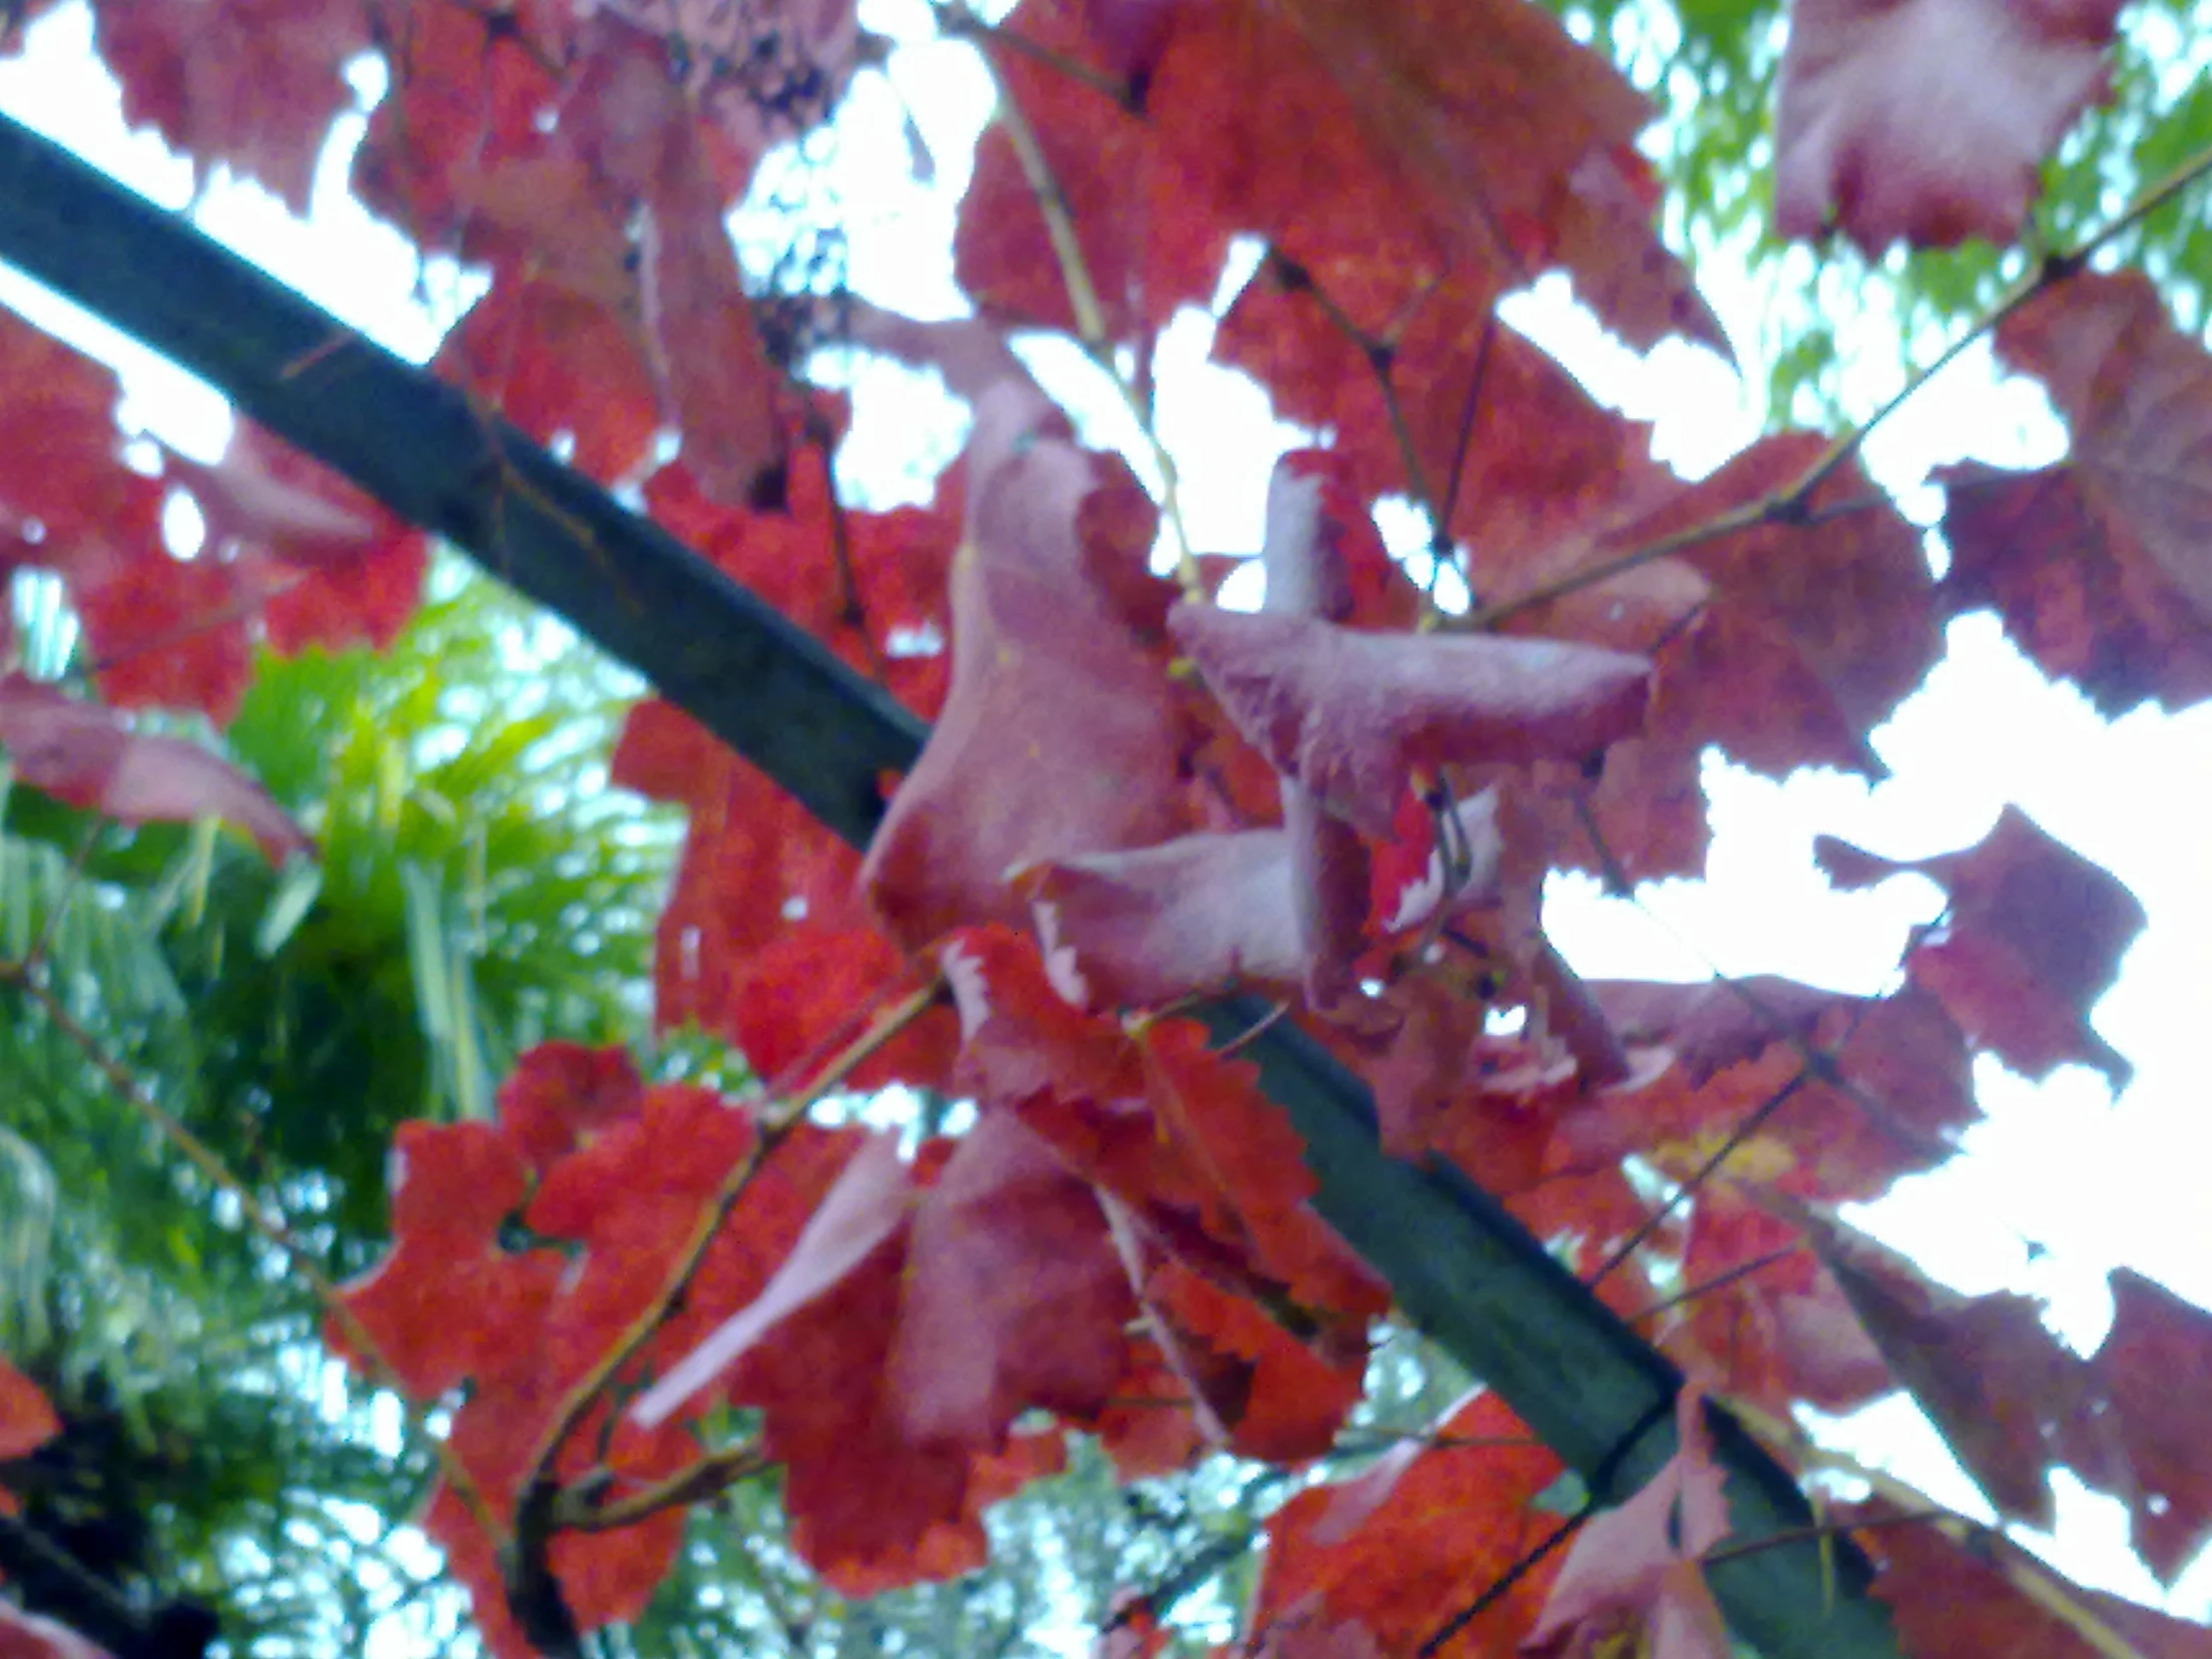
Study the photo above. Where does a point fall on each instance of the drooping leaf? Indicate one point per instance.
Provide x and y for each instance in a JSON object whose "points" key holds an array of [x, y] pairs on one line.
{"points": [[2075, 589], [1951, 1597], [1985, 1369], [1925, 121], [1015, 1296], [1057, 736], [1354, 715], [89, 757]]}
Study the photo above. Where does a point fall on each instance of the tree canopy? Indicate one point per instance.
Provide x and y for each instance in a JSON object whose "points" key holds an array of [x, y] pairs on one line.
{"points": [[1080, 1028]]}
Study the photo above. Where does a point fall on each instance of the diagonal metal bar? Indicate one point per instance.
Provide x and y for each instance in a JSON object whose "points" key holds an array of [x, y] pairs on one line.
{"points": [[1458, 1262]]}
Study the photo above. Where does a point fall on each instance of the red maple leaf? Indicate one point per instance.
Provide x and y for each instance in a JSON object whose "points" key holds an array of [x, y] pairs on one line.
{"points": [[2137, 393], [2031, 937], [2130, 1440], [1400, 1549], [27, 1419], [254, 85], [1952, 1596], [1926, 122]]}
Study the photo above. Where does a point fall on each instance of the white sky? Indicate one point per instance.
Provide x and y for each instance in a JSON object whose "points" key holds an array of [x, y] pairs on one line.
{"points": [[2095, 1183]]}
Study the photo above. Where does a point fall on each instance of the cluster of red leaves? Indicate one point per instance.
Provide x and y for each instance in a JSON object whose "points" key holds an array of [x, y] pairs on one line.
{"points": [[1131, 797]]}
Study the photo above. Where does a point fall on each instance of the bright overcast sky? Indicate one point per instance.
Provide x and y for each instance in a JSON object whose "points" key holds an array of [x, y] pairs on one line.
{"points": [[2091, 1182]]}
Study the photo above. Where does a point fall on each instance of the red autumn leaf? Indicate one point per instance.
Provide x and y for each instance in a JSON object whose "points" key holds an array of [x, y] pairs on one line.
{"points": [[89, 757], [253, 85], [335, 567], [2075, 589], [1057, 736], [1541, 459], [1855, 1091], [447, 1303], [1146, 248], [869, 1206], [1950, 1597], [1430, 137], [1182, 1136], [1352, 716], [27, 1636], [1268, 1394], [470, 93], [1783, 644], [1634, 1571], [67, 502], [27, 1420], [560, 1093], [1925, 121], [2137, 393], [1014, 1296], [2032, 936], [556, 362], [1985, 1369], [2129, 1440], [1402, 1548], [1761, 1318]]}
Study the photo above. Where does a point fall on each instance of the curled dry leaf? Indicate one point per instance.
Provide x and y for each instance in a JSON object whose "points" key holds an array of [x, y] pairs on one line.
{"points": [[89, 757]]}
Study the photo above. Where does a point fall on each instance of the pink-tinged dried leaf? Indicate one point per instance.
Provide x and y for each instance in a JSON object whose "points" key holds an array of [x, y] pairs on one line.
{"points": [[1058, 734], [1329, 891], [1352, 716], [2076, 589], [27, 1636], [1633, 1572], [1925, 121], [1141, 929], [2032, 938], [85, 754], [639, 130], [1014, 1297], [2138, 392], [871, 1202], [254, 85], [2131, 1440]]}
